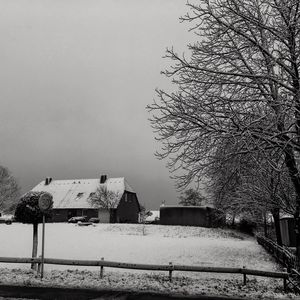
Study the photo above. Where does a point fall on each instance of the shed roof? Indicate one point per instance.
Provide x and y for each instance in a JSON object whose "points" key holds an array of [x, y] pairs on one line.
{"points": [[75, 193], [186, 206]]}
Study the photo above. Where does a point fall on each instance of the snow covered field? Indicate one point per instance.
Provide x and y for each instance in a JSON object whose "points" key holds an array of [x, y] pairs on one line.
{"points": [[153, 244], [127, 243]]}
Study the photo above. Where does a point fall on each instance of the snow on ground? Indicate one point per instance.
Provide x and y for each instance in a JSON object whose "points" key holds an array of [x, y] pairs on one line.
{"points": [[153, 244], [127, 243], [148, 282]]}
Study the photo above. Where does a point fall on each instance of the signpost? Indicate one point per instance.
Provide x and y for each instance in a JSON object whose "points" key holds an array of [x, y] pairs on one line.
{"points": [[45, 204]]}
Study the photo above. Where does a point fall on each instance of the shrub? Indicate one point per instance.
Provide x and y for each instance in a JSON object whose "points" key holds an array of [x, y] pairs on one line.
{"points": [[28, 211], [247, 226]]}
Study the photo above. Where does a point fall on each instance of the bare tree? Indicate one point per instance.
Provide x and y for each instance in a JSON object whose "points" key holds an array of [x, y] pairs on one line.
{"points": [[144, 214], [248, 185], [103, 198], [9, 190], [241, 83], [252, 174], [191, 197]]}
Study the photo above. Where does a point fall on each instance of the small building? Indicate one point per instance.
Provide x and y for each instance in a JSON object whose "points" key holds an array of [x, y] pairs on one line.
{"points": [[72, 198], [203, 216], [287, 230]]}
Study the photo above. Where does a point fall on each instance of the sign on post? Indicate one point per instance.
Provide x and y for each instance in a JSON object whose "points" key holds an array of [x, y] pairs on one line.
{"points": [[45, 204]]}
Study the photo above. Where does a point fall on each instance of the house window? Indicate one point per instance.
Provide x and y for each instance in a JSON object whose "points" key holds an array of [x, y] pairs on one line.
{"points": [[79, 195]]}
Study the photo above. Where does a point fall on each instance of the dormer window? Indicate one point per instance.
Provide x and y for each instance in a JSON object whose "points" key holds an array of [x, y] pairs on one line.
{"points": [[79, 195]]}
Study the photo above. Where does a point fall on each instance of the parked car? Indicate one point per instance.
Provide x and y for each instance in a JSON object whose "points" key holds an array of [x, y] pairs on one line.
{"points": [[77, 219], [152, 221], [94, 220], [6, 219], [79, 223]]}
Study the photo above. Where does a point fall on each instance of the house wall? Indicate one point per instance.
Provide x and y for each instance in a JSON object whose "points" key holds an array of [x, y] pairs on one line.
{"points": [[189, 215], [128, 209], [64, 214], [104, 215], [59, 215], [127, 212], [90, 213]]}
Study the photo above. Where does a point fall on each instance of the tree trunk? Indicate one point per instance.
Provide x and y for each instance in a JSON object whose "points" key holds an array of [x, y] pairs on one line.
{"points": [[34, 244], [275, 213], [233, 220], [265, 225], [291, 164], [297, 230]]}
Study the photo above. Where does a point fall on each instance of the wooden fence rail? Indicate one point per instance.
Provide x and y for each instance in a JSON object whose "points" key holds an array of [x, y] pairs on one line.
{"points": [[281, 254], [286, 258], [170, 267]]}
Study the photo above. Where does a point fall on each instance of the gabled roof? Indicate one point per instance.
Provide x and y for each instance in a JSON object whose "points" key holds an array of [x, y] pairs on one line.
{"points": [[75, 193]]}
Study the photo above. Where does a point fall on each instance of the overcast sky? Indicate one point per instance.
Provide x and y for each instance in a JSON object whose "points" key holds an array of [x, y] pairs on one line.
{"points": [[75, 78]]}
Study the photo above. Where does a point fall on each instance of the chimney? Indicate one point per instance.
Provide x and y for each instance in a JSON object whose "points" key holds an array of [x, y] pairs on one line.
{"points": [[48, 180], [103, 178]]}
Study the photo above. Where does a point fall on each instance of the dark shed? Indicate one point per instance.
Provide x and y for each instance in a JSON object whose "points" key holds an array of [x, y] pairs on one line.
{"points": [[191, 216], [287, 229]]}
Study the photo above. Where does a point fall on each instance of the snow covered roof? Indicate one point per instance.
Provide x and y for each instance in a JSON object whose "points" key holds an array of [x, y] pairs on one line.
{"points": [[286, 216], [75, 193], [186, 206]]}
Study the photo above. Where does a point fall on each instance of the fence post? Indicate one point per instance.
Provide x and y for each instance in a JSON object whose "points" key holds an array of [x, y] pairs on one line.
{"points": [[39, 265], [101, 268], [244, 276], [170, 271], [284, 280]]}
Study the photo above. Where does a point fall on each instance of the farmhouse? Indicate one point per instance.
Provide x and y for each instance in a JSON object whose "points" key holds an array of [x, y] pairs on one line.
{"points": [[73, 198], [202, 216]]}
